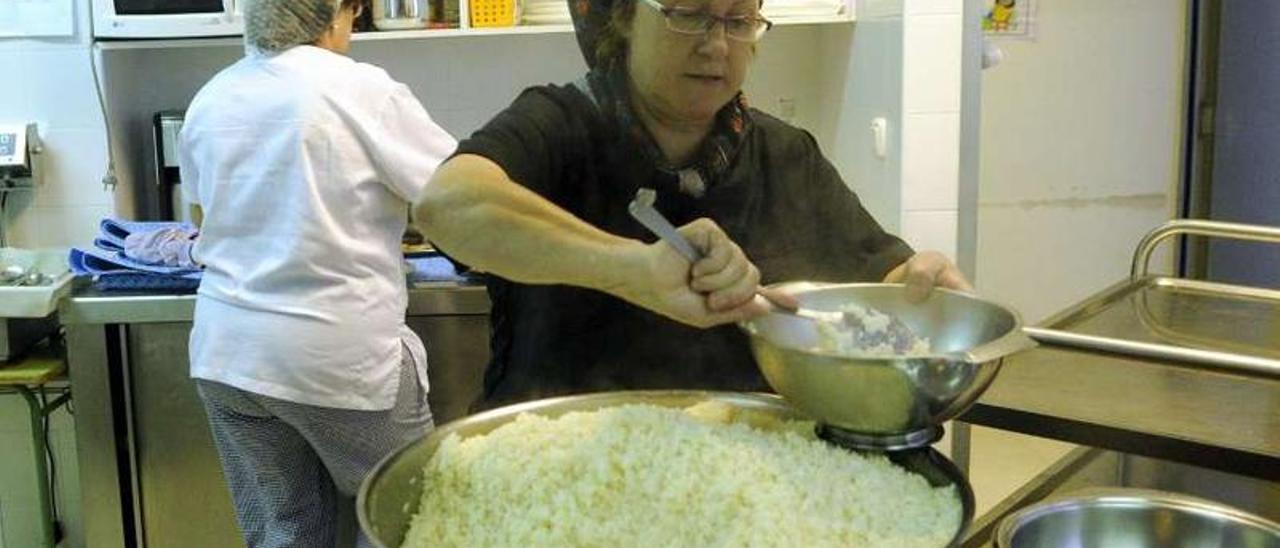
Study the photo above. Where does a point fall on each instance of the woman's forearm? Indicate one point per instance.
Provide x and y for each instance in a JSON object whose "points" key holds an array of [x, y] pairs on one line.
{"points": [[476, 214]]}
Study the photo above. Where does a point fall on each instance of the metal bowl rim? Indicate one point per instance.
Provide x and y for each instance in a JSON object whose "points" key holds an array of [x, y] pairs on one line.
{"points": [[1127, 498], [748, 326], [964, 489]]}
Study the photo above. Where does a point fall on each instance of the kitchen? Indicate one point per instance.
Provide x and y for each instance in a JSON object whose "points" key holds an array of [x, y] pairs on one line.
{"points": [[1013, 194]]}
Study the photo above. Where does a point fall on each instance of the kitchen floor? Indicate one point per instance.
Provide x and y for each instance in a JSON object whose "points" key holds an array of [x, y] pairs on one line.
{"points": [[1000, 462]]}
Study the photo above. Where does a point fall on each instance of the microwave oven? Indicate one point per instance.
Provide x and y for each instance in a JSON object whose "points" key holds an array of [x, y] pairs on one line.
{"points": [[167, 18]]}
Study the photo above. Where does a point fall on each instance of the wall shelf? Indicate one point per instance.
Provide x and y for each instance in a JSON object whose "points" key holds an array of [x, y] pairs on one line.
{"points": [[227, 41]]}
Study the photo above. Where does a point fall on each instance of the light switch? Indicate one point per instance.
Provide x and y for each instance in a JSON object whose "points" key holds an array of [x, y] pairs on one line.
{"points": [[880, 137]]}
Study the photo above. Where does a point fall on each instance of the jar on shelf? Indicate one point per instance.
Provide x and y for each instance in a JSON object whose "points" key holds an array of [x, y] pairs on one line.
{"points": [[399, 14]]}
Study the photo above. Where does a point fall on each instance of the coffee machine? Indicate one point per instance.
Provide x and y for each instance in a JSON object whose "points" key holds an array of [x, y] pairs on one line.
{"points": [[169, 202]]}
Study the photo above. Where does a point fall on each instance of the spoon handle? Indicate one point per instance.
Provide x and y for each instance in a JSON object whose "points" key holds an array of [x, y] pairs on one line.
{"points": [[641, 208]]}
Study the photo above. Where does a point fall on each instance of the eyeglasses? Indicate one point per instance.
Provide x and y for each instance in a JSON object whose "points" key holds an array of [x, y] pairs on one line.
{"points": [[741, 28]]}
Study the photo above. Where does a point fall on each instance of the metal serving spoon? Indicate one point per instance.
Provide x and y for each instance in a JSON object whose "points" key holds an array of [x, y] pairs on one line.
{"points": [[641, 208], [13, 275]]}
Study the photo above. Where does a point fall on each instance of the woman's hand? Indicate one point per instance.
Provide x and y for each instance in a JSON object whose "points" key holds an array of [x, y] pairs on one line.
{"points": [[720, 288], [925, 270]]}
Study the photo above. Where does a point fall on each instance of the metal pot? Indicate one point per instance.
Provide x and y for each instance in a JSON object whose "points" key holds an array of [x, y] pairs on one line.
{"points": [[399, 14], [390, 494], [1135, 517], [877, 401]]}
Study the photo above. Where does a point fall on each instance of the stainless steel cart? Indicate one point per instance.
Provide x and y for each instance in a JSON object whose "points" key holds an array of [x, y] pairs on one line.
{"points": [[1167, 382]]}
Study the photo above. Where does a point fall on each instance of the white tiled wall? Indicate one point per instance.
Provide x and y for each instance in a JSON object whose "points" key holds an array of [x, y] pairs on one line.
{"points": [[48, 81], [857, 88], [931, 146], [462, 81], [932, 39]]}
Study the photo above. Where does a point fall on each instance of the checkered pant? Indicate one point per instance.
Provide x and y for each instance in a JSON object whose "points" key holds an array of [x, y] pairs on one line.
{"points": [[283, 461]]}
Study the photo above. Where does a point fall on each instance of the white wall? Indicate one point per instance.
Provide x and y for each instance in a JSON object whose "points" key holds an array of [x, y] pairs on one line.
{"points": [[905, 67], [48, 81], [462, 81], [931, 101], [1080, 153]]}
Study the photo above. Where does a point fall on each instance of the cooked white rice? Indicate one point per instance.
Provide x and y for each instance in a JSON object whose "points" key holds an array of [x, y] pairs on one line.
{"points": [[643, 475], [867, 330]]}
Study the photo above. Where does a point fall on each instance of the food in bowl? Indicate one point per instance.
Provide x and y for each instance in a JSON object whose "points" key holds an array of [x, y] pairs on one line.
{"points": [[646, 475], [866, 330]]}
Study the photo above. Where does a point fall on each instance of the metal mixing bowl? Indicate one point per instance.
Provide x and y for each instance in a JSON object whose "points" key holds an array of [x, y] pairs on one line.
{"points": [[1135, 517], [886, 401], [390, 494]]}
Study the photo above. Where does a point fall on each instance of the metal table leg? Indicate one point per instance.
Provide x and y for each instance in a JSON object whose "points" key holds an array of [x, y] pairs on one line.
{"points": [[960, 445], [38, 412]]}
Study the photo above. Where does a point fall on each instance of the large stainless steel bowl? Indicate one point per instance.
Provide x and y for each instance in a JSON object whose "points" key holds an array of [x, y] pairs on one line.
{"points": [[886, 401], [1135, 517], [389, 496]]}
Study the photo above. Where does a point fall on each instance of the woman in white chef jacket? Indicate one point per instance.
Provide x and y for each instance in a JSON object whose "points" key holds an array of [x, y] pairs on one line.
{"points": [[303, 164]]}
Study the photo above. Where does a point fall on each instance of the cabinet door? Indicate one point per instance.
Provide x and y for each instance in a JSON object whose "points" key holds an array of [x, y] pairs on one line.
{"points": [[182, 494], [457, 354]]}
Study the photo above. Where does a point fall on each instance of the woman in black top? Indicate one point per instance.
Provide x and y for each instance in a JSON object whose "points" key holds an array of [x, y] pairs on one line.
{"points": [[538, 199]]}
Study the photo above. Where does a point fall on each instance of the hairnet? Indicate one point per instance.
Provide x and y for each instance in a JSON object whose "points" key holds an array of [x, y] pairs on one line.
{"points": [[277, 25]]}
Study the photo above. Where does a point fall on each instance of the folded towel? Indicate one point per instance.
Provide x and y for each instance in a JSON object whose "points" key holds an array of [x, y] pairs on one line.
{"points": [[96, 261], [142, 280], [433, 269], [112, 233], [166, 247], [139, 255]]}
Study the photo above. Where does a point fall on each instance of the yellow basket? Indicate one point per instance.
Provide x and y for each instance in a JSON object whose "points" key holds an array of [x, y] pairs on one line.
{"points": [[494, 13]]}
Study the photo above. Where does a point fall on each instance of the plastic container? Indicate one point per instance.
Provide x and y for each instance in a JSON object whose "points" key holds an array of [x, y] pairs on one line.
{"points": [[494, 13]]}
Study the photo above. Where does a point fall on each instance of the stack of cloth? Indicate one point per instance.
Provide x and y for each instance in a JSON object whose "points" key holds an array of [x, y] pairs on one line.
{"points": [[432, 268], [140, 255], [778, 10], [545, 12]]}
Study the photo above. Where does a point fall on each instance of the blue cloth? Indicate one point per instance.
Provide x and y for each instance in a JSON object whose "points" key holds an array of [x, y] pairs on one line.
{"points": [[142, 280], [433, 269], [96, 261], [110, 268]]}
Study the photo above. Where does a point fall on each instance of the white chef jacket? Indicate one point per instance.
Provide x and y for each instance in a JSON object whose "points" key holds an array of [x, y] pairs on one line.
{"points": [[305, 163]]}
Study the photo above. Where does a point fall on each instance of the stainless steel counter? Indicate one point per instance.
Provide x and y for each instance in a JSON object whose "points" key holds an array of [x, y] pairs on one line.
{"points": [[1212, 419], [1222, 412], [92, 306], [149, 475], [1164, 367]]}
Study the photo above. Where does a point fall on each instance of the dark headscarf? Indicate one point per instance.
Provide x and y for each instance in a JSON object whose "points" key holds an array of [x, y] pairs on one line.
{"points": [[609, 85]]}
